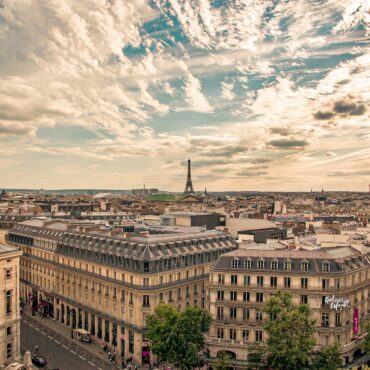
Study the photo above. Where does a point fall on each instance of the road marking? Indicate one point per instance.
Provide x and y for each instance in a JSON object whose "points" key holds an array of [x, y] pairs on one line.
{"points": [[31, 326], [100, 368], [73, 352], [91, 363], [65, 346], [50, 337], [42, 332], [37, 329], [82, 357], [56, 341], [25, 321]]}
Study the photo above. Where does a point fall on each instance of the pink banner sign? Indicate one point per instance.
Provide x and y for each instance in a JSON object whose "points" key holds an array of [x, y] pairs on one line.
{"points": [[355, 321]]}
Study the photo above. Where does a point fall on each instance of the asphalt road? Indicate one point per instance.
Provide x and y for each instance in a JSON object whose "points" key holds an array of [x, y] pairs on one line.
{"points": [[60, 353]]}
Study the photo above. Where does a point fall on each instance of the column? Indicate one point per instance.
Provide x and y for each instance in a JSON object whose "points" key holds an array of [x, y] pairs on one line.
{"points": [[83, 318], [90, 321], [103, 329], [110, 332]]}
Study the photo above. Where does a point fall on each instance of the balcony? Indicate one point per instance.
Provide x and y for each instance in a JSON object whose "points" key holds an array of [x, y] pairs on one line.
{"points": [[324, 324]]}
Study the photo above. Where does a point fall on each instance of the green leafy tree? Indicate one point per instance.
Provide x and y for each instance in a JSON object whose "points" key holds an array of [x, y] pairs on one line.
{"points": [[177, 337], [328, 359], [366, 328], [222, 361], [289, 332]]}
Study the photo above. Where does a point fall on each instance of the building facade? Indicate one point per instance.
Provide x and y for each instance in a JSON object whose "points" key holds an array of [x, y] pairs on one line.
{"points": [[10, 304], [334, 282], [108, 285]]}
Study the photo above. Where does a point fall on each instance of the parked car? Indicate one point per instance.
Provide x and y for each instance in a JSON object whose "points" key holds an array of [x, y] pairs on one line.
{"points": [[38, 360]]}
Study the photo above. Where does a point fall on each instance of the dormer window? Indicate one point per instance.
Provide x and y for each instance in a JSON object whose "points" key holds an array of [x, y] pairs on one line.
{"points": [[304, 266], [235, 263], [248, 264], [260, 264], [274, 265], [325, 266], [287, 265]]}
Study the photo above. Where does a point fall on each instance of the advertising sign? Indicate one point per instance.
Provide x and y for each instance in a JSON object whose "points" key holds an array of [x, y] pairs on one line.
{"points": [[337, 303], [355, 321]]}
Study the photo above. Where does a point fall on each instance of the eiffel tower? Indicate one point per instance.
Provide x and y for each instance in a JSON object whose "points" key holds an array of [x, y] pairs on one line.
{"points": [[189, 185]]}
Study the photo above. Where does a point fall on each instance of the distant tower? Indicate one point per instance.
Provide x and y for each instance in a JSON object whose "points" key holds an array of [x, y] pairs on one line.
{"points": [[189, 185]]}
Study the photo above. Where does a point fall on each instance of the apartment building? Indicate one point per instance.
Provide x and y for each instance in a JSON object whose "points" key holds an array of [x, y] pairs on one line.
{"points": [[334, 282], [109, 284], [9, 306]]}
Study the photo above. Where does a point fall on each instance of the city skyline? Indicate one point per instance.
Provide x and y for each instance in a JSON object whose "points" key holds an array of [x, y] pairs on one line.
{"points": [[114, 94]]}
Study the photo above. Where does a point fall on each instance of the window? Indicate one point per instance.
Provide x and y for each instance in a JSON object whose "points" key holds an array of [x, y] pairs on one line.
{"points": [[274, 265], [248, 264], [234, 263], [232, 312], [247, 280], [245, 313], [9, 350], [325, 284], [161, 297], [221, 279], [170, 299], [259, 315], [260, 265], [304, 266], [232, 334], [8, 273], [220, 312], [287, 282], [304, 299], [325, 319], [234, 279], [337, 284], [220, 295], [179, 293], [325, 266], [258, 335], [146, 281], [233, 295], [260, 280], [259, 297], [337, 319], [146, 300], [273, 281], [220, 333], [245, 334], [9, 330], [187, 291], [8, 302], [304, 283], [246, 296]]}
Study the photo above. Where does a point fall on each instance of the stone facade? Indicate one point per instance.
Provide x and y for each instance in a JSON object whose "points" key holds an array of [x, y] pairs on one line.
{"points": [[10, 304], [243, 280], [108, 285]]}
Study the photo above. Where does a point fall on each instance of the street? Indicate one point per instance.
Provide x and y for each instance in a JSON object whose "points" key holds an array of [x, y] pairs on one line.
{"points": [[59, 352]]}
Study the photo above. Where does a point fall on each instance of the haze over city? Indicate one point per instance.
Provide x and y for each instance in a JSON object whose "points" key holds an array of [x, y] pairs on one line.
{"points": [[112, 94]]}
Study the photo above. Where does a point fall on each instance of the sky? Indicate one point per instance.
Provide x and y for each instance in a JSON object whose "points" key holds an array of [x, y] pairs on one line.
{"points": [[261, 95]]}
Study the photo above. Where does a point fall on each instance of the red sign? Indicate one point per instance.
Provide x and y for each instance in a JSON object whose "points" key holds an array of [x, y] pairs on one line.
{"points": [[355, 321]]}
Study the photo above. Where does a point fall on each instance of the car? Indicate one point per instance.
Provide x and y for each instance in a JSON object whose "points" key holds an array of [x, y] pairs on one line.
{"points": [[38, 360]]}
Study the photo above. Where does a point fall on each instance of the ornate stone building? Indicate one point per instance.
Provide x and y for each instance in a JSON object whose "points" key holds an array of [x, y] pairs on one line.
{"points": [[9, 305], [334, 282], [108, 284]]}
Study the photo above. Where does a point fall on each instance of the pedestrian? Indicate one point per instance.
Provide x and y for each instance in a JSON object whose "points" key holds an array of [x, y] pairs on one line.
{"points": [[109, 354], [36, 348]]}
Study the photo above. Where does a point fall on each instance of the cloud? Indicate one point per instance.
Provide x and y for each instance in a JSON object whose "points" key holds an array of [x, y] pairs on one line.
{"points": [[227, 91], [348, 105], [251, 173], [193, 95], [283, 131], [348, 173], [288, 143]]}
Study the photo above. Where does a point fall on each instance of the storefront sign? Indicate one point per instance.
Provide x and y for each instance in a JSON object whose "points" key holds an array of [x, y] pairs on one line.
{"points": [[337, 303], [355, 321]]}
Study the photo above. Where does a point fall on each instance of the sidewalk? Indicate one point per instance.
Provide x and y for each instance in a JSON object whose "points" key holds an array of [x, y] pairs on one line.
{"points": [[94, 347]]}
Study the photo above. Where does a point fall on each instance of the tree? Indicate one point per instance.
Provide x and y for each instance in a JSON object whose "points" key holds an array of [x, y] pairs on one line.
{"points": [[177, 337], [328, 359], [222, 361], [289, 332], [366, 329]]}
